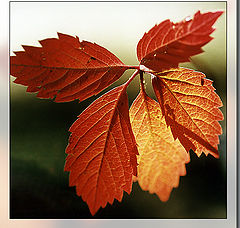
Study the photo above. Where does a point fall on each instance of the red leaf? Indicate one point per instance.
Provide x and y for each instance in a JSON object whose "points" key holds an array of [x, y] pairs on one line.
{"points": [[102, 150], [191, 108], [168, 44], [66, 68]]}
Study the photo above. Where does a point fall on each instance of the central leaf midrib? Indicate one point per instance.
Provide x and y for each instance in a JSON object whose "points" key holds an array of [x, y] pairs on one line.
{"points": [[172, 41], [108, 132], [70, 68]]}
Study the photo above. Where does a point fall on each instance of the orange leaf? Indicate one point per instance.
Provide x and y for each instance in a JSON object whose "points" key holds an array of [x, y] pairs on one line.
{"points": [[65, 68], [161, 159], [102, 151], [168, 44], [191, 108]]}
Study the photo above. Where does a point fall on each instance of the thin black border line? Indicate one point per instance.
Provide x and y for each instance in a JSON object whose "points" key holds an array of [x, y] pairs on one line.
{"points": [[9, 122], [237, 112], [226, 43], [226, 113], [226, 100]]}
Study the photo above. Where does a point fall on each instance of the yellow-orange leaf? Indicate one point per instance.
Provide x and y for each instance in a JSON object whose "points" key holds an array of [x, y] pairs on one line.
{"points": [[161, 159], [191, 108]]}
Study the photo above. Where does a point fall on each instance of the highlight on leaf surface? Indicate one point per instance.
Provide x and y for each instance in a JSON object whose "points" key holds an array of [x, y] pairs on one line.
{"points": [[161, 159], [65, 68], [168, 44], [191, 108], [102, 151]]}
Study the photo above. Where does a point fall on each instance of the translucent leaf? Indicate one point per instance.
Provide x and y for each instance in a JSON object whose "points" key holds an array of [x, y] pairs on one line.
{"points": [[161, 158], [191, 108], [102, 151]]}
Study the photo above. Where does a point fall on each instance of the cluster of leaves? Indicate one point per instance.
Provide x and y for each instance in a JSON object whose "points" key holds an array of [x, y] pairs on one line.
{"points": [[111, 146]]}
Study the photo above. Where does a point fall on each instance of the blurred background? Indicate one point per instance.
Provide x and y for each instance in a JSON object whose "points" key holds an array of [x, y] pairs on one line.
{"points": [[39, 128]]}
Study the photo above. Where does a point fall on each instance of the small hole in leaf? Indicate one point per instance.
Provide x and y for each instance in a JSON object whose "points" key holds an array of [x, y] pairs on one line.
{"points": [[202, 81], [90, 59]]}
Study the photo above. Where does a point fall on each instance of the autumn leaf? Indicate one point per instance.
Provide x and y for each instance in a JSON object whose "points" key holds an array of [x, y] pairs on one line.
{"points": [[65, 68], [168, 44], [161, 159], [191, 108], [103, 147], [102, 151]]}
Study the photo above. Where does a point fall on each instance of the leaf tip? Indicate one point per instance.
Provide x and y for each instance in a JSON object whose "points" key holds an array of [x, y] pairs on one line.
{"points": [[220, 12], [59, 34], [64, 37], [215, 154]]}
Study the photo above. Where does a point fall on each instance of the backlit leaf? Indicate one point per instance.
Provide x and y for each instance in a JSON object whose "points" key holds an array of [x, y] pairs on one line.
{"points": [[65, 68], [102, 151], [161, 159], [191, 108], [103, 147], [168, 44]]}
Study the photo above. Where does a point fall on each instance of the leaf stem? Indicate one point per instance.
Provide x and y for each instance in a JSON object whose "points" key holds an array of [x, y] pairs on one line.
{"points": [[141, 80], [132, 67]]}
